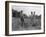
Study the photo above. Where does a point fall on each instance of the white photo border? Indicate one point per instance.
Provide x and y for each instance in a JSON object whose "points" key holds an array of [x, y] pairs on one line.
{"points": [[22, 32]]}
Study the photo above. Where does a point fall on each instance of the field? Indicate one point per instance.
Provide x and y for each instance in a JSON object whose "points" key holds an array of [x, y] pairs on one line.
{"points": [[28, 24]]}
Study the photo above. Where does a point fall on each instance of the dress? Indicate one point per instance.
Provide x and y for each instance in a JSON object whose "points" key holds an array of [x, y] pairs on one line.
{"points": [[22, 19]]}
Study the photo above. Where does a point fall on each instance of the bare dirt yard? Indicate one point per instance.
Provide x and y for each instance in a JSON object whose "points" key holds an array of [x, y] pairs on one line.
{"points": [[28, 24]]}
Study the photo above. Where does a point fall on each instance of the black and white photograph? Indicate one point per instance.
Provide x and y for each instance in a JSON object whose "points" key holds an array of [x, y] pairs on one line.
{"points": [[26, 18]]}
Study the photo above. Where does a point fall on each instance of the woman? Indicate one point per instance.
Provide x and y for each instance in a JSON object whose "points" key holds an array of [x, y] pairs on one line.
{"points": [[22, 18]]}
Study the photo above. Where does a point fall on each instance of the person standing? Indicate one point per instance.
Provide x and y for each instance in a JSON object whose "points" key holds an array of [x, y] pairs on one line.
{"points": [[34, 21], [22, 18], [32, 17]]}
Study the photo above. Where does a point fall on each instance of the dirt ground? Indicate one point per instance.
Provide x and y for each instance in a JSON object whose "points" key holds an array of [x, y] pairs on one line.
{"points": [[28, 24]]}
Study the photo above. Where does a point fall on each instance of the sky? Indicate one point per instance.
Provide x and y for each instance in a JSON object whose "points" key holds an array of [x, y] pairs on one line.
{"points": [[28, 9]]}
